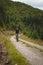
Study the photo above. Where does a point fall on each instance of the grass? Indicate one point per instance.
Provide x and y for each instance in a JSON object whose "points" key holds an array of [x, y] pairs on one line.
{"points": [[27, 45], [13, 55], [31, 40], [34, 47], [35, 41], [2, 38]]}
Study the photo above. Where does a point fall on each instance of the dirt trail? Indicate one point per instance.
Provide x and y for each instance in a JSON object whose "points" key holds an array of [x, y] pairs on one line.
{"points": [[31, 54], [32, 44]]}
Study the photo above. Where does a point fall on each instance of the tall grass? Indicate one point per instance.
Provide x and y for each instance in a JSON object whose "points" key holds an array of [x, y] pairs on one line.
{"points": [[13, 55], [36, 41]]}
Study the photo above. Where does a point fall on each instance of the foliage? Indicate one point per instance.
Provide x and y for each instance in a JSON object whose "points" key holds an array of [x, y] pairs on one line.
{"points": [[29, 19]]}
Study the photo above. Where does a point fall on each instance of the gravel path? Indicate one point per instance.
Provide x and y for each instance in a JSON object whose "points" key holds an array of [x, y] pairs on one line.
{"points": [[31, 54], [32, 44]]}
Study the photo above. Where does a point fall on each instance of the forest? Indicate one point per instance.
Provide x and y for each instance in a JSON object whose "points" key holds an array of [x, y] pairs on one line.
{"points": [[16, 14]]}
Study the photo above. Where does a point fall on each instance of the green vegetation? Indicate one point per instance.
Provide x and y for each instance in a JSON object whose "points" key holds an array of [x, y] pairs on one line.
{"points": [[33, 47], [13, 55], [35, 41], [28, 19]]}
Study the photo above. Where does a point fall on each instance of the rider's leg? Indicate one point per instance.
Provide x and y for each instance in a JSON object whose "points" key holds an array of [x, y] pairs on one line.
{"points": [[17, 37]]}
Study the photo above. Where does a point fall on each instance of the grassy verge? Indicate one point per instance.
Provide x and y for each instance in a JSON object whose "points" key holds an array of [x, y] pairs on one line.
{"points": [[34, 47], [13, 55], [27, 45], [36, 41]]}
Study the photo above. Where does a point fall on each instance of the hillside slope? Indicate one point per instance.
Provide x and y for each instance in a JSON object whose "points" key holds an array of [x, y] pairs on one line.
{"points": [[28, 19]]}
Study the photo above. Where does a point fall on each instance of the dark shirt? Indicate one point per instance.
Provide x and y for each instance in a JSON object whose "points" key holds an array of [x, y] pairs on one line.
{"points": [[17, 31]]}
